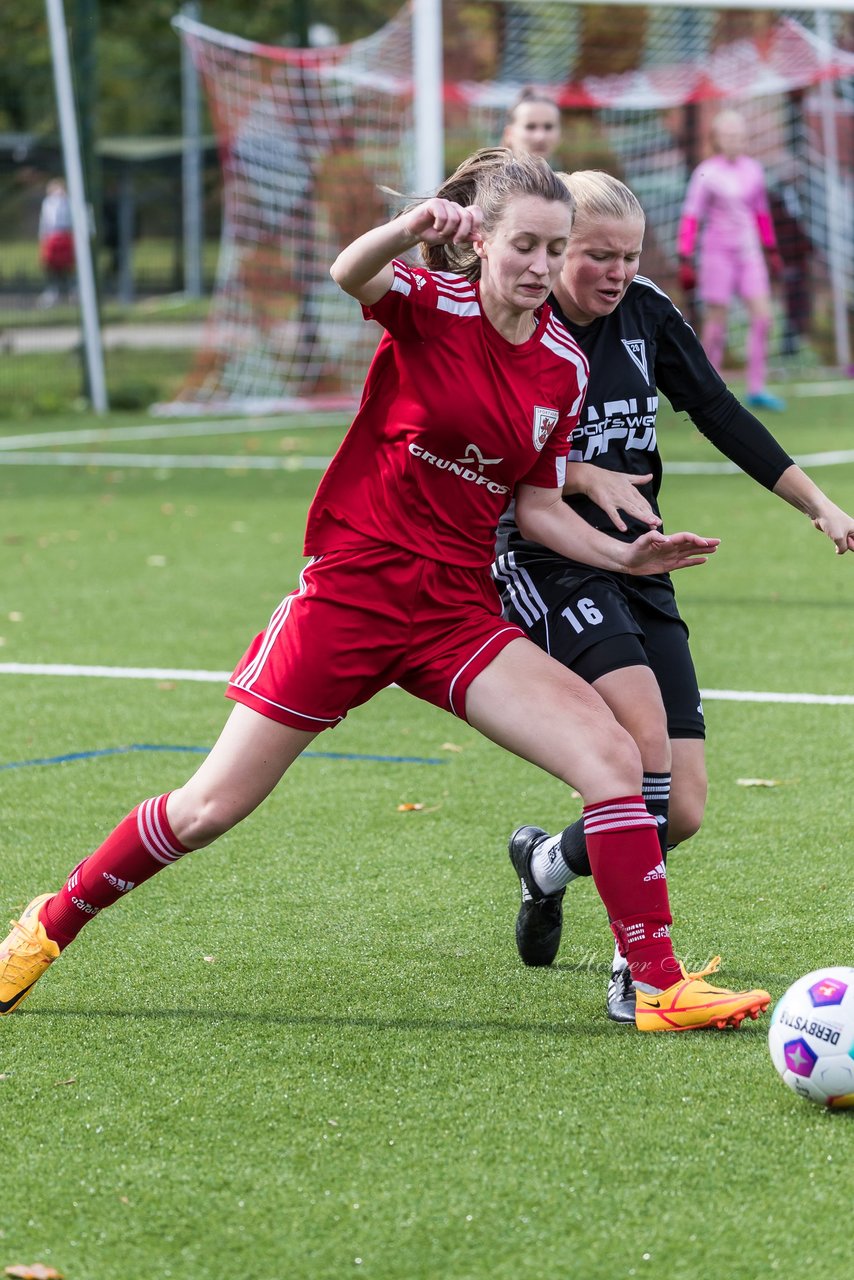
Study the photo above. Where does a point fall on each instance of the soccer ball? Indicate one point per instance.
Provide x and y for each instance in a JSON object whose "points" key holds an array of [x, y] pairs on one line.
{"points": [[811, 1037]]}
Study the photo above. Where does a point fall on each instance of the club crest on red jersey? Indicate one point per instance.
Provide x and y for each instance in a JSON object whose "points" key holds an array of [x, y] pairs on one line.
{"points": [[545, 421]]}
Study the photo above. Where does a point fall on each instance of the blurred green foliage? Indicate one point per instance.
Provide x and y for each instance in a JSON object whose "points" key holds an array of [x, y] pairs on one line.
{"points": [[137, 56]]}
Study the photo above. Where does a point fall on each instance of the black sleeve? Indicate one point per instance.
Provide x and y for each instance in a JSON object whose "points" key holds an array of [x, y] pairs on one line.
{"points": [[686, 376], [742, 438]]}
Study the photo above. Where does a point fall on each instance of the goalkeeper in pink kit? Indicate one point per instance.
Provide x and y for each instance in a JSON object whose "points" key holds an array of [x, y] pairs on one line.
{"points": [[726, 208]]}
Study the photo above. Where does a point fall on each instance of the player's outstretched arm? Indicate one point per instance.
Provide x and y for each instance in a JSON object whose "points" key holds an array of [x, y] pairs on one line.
{"points": [[543, 517], [796, 488], [612, 491], [364, 268]]}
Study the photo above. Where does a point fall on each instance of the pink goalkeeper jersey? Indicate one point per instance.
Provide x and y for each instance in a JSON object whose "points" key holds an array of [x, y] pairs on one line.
{"points": [[729, 199], [452, 418]]}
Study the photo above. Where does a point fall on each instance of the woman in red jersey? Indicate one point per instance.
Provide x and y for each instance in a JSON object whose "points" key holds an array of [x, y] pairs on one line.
{"points": [[469, 401]]}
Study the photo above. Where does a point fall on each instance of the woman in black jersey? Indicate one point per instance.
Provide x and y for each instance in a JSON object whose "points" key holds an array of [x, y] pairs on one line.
{"points": [[625, 636]]}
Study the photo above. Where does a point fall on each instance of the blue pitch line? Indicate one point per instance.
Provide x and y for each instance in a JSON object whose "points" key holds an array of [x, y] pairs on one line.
{"points": [[147, 746]]}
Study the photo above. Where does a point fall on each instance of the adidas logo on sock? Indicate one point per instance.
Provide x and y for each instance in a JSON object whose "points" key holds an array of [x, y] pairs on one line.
{"points": [[85, 907], [123, 886], [657, 873]]}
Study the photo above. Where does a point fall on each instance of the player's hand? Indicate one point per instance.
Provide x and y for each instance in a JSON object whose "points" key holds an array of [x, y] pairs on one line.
{"points": [[613, 491], [663, 553], [439, 221], [687, 275], [837, 525]]}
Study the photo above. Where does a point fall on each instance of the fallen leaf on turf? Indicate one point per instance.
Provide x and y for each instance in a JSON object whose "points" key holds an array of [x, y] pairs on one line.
{"points": [[758, 782], [166, 685], [450, 746], [70, 1080], [209, 959], [408, 808], [5, 1075], [34, 1271]]}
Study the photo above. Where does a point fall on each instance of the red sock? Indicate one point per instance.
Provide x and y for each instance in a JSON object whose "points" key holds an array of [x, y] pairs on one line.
{"points": [[140, 846], [625, 858]]}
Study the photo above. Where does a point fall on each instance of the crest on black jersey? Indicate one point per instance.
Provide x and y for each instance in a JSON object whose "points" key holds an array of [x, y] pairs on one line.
{"points": [[636, 347]]}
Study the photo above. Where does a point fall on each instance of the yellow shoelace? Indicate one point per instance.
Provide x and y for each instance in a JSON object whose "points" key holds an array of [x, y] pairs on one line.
{"points": [[712, 967]]}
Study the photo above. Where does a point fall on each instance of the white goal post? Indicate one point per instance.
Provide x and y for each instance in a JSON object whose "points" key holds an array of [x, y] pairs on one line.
{"points": [[313, 141]]}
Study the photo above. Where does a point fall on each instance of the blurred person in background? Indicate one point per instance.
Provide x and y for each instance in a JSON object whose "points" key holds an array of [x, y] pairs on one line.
{"points": [[726, 220], [533, 125], [796, 251], [56, 243]]}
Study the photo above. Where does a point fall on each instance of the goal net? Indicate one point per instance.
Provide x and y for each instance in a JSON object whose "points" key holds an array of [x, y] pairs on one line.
{"points": [[312, 142]]}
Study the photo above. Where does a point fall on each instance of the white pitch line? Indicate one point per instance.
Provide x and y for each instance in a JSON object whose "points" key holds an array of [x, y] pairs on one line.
{"points": [[111, 673], [167, 461], [220, 677], [832, 458], [157, 431], [821, 388], [294, 462]]}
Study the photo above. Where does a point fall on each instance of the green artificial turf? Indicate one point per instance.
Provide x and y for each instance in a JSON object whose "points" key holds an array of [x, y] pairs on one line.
{"points": [[311, 1051]]}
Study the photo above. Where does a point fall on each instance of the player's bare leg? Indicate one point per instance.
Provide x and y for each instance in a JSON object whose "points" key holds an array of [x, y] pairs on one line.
{"points": [[688, 788], [532, 705], [245, 764], [633, 695]]}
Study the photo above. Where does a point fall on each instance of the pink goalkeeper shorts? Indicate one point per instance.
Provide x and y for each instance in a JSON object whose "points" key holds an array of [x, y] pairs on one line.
{"points": [[724, 274]]}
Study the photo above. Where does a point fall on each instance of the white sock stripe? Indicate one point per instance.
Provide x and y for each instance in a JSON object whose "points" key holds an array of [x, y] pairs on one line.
{"points": [[611, 817], [158, 823], [151, 833], [618, 824], [610, 810]]}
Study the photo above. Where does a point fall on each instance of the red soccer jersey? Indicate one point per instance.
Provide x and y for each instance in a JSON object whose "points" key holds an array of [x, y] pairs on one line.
{"points": [[452, 418]]}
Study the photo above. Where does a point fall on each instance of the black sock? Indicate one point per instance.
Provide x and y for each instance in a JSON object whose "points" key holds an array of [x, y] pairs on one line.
{"points": [[573, 849], [656, 793]]}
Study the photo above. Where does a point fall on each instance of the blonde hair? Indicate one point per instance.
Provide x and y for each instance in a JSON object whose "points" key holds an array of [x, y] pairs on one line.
{"points": [[491, 178], [600, 195]]}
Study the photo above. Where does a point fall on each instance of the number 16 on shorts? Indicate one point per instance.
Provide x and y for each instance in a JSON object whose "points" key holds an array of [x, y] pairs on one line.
{"points": [[583, 613]]}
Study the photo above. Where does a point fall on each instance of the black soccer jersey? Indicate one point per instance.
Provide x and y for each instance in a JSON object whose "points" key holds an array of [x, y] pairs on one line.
{"points": [[644, 347]]}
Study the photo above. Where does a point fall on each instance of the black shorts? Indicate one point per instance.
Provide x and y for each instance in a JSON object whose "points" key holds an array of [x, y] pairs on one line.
{"points": [[594, 622]]}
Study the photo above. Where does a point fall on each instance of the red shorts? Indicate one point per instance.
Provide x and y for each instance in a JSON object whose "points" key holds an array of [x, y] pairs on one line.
{"points": [[362, 620]]}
